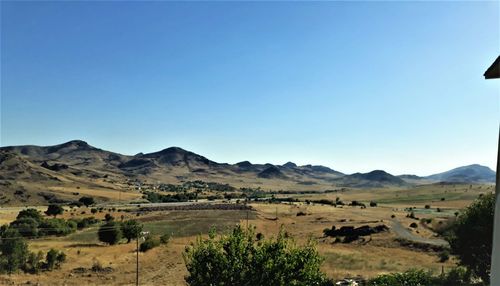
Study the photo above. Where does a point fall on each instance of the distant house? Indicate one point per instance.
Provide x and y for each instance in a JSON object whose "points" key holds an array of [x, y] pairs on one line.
{"points": [[494, 72]]}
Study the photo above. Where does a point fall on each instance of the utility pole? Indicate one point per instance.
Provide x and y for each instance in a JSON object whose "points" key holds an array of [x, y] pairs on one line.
{"points": [[137, 262]]}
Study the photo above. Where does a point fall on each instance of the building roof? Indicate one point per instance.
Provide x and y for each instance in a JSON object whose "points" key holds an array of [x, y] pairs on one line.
{"points": [[494, 70]]}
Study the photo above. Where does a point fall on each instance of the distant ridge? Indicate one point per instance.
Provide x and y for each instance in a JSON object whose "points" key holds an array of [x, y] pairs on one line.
{"points": [[467, 174], [373, 179], [32, 170]]}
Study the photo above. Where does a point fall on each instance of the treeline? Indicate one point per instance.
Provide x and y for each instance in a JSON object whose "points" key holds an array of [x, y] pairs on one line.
{"points": [[15, 256], [199, 185], [30, 223], [113, 232], [169, 198]]}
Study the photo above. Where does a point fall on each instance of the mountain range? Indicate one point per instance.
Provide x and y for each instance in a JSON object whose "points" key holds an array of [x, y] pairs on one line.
{"points": [[29, 172]]}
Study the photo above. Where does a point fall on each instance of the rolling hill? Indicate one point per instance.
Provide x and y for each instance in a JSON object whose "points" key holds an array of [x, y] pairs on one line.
{"points": [[467, 174], [373, 179], [31, 174]]}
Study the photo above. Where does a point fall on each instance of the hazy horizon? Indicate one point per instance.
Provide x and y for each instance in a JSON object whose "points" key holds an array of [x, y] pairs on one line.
{"points": [[360, 86]]}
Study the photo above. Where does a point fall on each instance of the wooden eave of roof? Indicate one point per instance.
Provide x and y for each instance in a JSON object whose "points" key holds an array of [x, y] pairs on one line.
{"points": [[494, 70]]}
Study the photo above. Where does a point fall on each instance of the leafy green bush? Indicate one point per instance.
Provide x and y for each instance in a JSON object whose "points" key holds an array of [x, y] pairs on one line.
{"points": [[149, 243], [55, 259], [409, 278], [458, 276], [85, 222], [34, 263], [164, 239], [238, 259], [57, 226]]}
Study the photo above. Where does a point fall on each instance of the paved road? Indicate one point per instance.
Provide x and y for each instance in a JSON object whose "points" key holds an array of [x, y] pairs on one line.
{"points": [[403, 232]]}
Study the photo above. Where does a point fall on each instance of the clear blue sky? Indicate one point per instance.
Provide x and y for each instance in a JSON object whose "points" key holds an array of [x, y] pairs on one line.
{"points": [[353, 86]]}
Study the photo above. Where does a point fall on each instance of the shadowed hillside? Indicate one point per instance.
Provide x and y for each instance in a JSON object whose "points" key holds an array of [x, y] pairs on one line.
{"points": [[61, 172]]}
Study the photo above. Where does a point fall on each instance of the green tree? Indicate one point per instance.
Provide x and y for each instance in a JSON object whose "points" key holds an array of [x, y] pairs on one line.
{"points": [[110, 233], [131, 229], [30, 213], [13, 249], [238, 259], [54, 210], [87, 201], [27, 226], [55, 259], [472, 235]]}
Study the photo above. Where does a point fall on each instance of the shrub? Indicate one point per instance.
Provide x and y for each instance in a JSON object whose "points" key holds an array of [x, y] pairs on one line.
{"points": [[413, 225], [237, 259], [409, 278], [456, 276], [97, 266], [110, 233], [444, 256], [93, 210], [149, 243], [86, 222], [34, 262], [427, 206], [164, 239], [108, 217], [54, 259], [57, 226], [373, 204], [411, 215]]}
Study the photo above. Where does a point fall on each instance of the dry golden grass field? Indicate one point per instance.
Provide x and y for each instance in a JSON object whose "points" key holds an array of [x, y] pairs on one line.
{"points": [[164, 265]]}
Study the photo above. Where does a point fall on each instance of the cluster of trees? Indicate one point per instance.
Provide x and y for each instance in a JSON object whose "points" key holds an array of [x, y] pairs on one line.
{"points": [[31, 224], [112, 232], [178, 197], [15, 255], [197, 184]]}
